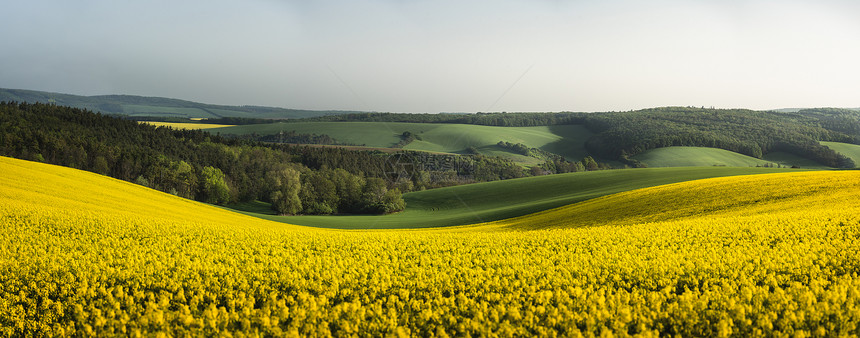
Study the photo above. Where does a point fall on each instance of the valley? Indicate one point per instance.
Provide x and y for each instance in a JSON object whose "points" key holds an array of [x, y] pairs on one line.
{"points": [[422, 228]]}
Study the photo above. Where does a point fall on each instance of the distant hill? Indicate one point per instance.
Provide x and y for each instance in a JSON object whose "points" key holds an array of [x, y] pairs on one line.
{"points": [[141, 106], [795, 110]]}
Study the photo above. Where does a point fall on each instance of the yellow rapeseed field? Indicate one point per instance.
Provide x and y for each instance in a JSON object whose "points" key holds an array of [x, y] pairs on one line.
{"points": [[183, 125], [776, 254]]}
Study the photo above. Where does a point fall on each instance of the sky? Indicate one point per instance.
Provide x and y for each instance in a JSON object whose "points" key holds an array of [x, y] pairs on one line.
{"points": [[441, 56]]}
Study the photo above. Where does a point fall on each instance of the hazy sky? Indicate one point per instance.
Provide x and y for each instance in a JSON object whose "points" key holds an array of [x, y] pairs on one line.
{"points": [[434, 56]]}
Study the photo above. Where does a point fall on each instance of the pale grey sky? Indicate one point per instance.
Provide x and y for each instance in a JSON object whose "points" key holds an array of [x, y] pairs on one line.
{"points": [[435, 56]]}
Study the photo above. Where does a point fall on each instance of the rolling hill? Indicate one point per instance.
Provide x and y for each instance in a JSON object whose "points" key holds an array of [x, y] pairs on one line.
{"points": [[482, 202], [696, 157], [847, 149], [787, 138], [141, 106], [703, 156], [764, 198], [86, 255], [36, 188], [567, 140]]}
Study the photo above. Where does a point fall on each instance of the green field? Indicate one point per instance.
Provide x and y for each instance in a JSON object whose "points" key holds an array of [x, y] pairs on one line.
{"points": [[847, 149], [789, 159], [703, 156], [567, 140], [481, 202]]}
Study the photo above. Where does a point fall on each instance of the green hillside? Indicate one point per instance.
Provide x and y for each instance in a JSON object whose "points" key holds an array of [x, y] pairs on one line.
{"points": [[703, 156], [565, 140], [789, 159], [141, 106], [475, 203], [847, 149]]}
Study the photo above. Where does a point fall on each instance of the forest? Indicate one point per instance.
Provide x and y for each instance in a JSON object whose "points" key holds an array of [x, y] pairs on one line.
{"points": [[195, 164], [219, 170], [753, 133]]}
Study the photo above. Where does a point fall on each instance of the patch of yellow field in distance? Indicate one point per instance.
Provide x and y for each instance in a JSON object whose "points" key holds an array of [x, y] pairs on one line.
{"points": [[182, 125]]}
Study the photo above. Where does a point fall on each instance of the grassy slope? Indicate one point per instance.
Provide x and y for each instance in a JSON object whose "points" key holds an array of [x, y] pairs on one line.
{"points": [[482, 202], [727, 198], [696, 157], [703, 156], [566, 140], [847, 149]]}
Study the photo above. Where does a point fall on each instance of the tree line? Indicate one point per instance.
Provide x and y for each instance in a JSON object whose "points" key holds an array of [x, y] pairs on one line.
{"points": [[292, 136], [222, 170]]}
